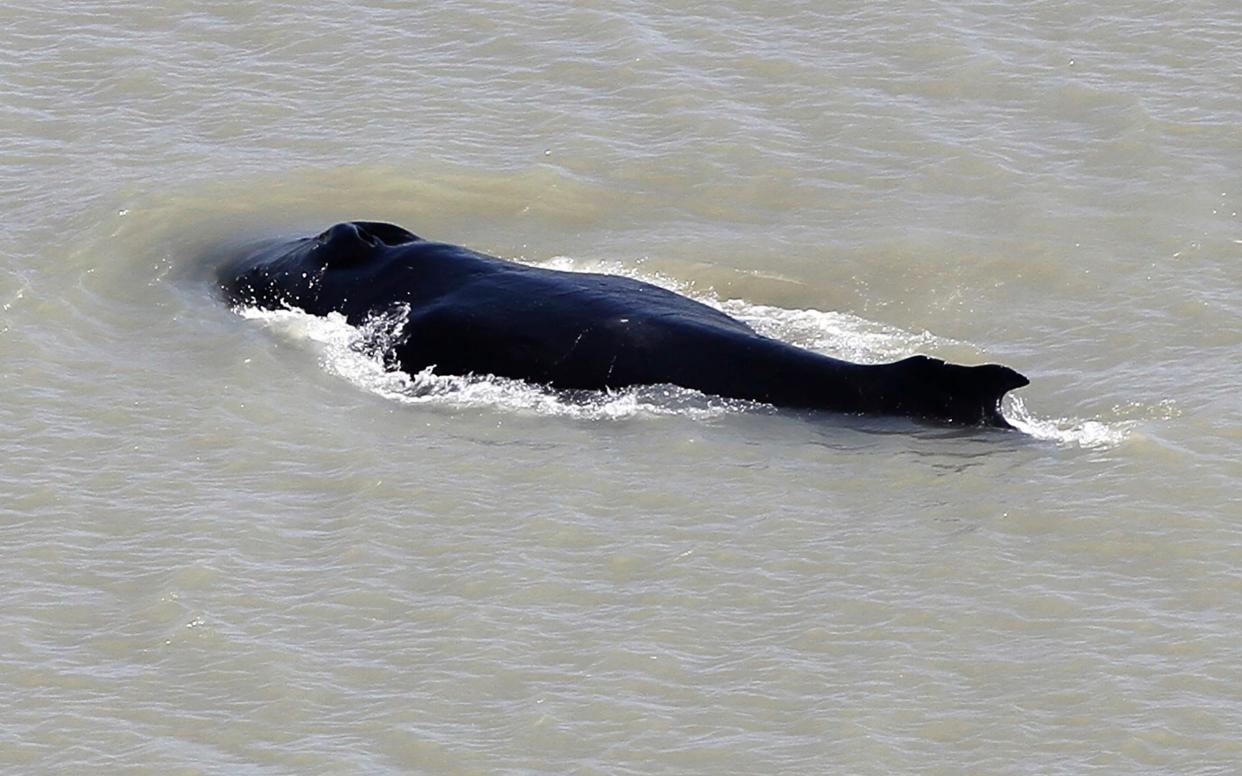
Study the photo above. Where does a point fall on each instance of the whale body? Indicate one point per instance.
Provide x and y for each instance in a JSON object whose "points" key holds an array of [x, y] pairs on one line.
{"points": [[469, 313]]}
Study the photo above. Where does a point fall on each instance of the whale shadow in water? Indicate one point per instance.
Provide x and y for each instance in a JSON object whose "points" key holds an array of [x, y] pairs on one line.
{"points": [[469, 313]]}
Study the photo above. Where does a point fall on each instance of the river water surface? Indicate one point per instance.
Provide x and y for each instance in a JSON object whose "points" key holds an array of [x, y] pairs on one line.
{"points": [[232, 543]]}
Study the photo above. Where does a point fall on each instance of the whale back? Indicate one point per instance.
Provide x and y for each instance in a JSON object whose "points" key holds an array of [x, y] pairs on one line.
{"points": [[468, 312]]}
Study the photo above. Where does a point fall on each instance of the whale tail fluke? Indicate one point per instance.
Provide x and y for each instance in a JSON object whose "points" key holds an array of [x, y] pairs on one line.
{"points": [[968, 395]]}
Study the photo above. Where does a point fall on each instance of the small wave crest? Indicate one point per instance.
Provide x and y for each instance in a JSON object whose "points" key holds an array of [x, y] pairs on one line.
{"points": [[1070, 432], [840, 335], [364, 356]]}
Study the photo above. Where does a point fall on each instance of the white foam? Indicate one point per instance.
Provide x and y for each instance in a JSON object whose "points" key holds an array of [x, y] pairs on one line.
{"points": [[363, 356], [840, 335], [1070, 432]]}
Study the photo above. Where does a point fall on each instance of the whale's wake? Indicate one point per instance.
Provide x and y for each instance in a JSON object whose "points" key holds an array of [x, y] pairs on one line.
{"points": [[364, 356], [360, 355], [1069, 432]]}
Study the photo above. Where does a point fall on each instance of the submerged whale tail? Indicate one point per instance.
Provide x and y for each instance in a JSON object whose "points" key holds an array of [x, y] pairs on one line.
{"points": [[970, 395]]}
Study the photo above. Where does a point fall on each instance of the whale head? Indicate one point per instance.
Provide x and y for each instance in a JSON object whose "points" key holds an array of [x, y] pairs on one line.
{"points": [[292, 273]]}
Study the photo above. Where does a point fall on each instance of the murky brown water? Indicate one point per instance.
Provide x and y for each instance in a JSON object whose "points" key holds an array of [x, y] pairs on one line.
{"points": [[234, 545]]}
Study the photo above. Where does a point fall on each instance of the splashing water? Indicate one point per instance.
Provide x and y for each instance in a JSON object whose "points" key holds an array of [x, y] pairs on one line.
{"points": [[1069, 432], [364, 356], [840, 335]]}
